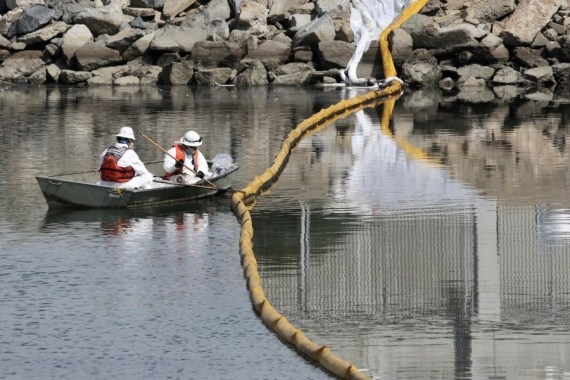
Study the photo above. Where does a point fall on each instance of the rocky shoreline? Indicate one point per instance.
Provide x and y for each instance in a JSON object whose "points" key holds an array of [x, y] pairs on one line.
{"points": [[505, 45]]}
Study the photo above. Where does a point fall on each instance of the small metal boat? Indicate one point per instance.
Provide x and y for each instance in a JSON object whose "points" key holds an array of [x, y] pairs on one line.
{"points": [[80, 190]]}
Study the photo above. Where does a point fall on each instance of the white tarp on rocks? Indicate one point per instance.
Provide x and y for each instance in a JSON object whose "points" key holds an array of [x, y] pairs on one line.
{"points": [[368, 18]]}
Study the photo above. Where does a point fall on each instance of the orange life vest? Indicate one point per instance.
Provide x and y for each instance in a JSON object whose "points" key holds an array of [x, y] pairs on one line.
{"points": [[180, 155], [112, 172]]}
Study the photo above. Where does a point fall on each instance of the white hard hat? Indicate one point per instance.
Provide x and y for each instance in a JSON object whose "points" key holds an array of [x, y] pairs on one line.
{"points": [[191, 138], [126, 132]]}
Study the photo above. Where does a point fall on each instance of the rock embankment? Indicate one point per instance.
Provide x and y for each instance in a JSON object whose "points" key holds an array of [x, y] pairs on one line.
{"points": [[452, 44], [174, 42], [510, 46]]}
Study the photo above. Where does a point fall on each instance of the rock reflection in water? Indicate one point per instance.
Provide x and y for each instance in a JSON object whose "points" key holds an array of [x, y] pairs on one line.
{"points": [[417, 247]]}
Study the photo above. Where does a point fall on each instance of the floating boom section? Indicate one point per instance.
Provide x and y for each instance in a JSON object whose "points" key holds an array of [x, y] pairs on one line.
{"points": [[243, 201]]}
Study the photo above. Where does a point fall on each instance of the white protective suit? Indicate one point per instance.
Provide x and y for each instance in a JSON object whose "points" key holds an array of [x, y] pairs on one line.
{"points": [[142, 179], [187, 175]]}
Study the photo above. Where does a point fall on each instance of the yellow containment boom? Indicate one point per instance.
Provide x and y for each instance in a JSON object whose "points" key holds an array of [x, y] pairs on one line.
{"points": [[243, 200]]}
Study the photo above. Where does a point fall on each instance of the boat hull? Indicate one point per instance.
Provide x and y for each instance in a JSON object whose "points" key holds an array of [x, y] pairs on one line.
{"points": [[81, 191]]}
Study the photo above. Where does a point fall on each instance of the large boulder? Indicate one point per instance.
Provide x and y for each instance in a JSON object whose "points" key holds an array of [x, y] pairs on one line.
{"points": [[319, 30], [529, 17], [271, 53], [74, 38], [173, 7], [421, 70], [177, 73], [214, 77], [103, 20], [44, 34], [32, 19], [252, 17], [213, 54], [177, 38], [254, 74], [334, 54], [91, 56]]}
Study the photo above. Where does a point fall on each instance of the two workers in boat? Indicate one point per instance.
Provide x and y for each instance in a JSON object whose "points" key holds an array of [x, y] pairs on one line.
{"points": [[121, 167]]}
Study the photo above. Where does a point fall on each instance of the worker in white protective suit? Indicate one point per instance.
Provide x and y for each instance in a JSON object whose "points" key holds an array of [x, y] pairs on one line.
{"points": [[120, 165], [184, 162]]}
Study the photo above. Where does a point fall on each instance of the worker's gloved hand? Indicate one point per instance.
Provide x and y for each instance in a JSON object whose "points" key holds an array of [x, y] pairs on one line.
{"points": [[200, 175], [179, 164]]}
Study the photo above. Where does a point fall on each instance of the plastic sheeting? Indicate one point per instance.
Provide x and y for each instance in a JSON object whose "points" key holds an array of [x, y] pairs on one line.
{"points": [[368, 18]]}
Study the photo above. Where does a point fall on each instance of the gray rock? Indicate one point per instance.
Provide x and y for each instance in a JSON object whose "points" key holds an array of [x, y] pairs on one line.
{"points": [[103, 20], [92, 56], [219, 9], [252, 17], [177, 73], [210, 54], [506, 75], [44, 34], [213, 77], [292, 74], [66, 10], [74, 38], [38, 77], [561, 72], [529, 17], [319, 30], [488, 11], [326, 6], [541, 75], [476, 71], [19, 67], [32, 19], [334, 54], [148, 3], [128, 80], [177, 39], [138, 48], [254, 74], [124, 39], [174, 7], [23, 4], [4, 42], [272, 54], [139, 12], [421, 70], [52, 73], [401, 45], [218, 30], [471, 81], [8, 19], [280, 11], [73, 77], [105, 75], [528, 57], [166, 59], [448, 38]]}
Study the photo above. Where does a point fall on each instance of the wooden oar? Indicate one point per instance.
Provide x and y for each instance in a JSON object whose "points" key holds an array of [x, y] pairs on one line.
{"points": [[174, 158]]}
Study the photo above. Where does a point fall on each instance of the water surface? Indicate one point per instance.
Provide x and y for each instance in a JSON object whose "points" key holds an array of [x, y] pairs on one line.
{"points": [[433, 245]]}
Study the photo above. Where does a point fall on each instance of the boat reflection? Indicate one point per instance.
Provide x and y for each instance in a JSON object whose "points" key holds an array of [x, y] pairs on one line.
{"points": [[125, 221]]}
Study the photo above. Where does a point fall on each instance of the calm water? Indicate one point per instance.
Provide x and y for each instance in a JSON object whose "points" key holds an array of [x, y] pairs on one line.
{"points": [[433, 242]]}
